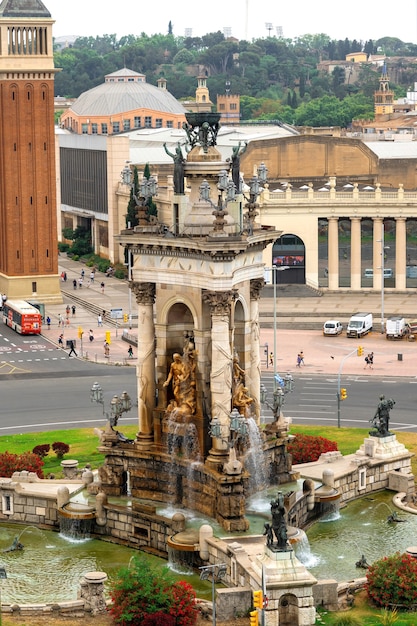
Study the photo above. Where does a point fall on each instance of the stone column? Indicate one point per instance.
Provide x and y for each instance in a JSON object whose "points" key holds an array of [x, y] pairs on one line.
{"points": [[221, 367], [400, 252], [145, 369], [255, 357], [377, 248], [355, 253], [333, 252]]}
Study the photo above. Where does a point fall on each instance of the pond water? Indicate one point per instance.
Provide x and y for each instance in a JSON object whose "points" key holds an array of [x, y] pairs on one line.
{"points": [[50, 562], [50, 567]]}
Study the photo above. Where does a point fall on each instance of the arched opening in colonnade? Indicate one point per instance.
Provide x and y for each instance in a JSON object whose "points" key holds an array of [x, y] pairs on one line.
{"points": [[289, 251]]}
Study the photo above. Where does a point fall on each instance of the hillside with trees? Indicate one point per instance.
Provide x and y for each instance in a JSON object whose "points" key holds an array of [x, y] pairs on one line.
{"points": [[276, 78]]}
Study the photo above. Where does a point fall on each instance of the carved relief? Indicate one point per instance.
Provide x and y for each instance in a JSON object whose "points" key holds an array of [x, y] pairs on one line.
{"points": [[256, 286], [144, 292], [220, 301]]}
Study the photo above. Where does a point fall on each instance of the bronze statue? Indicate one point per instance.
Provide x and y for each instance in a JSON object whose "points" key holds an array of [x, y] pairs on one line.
{"points": [[178, 168], [380, 420], [279, 526], [236, 154]]}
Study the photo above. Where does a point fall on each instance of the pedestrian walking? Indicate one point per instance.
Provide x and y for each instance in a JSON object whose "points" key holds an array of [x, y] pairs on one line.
{"points": [[130, 352], [298, 360], [80, 282], [67, 321], [82, 273], [102, 287], [92, 277], [106, 350], [60, 320], [65, 277], [67, 310], [369, 361], [271, 358], [74, 283], [302, 358], [72, 349], [99, 320], [48, 322], [91, 335], [73, 309], [61, 341]]}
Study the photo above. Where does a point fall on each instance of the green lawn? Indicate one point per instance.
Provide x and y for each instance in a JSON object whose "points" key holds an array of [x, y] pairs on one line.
{"points": [[84, 442]]}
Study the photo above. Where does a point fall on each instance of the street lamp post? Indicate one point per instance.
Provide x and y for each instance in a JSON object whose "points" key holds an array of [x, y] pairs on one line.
{"points": [[274, 269], [383, 248], [217, 572]]}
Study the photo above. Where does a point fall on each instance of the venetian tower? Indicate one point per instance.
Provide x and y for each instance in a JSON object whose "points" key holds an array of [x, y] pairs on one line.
{"points": [[28, 223], [197, 277]]}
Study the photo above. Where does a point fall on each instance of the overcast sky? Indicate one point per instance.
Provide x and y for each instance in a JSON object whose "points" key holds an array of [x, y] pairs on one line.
{"points": [[355, 19]]}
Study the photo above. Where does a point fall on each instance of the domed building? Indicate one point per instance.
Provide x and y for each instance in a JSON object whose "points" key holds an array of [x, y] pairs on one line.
{"points": [[125, 101]]}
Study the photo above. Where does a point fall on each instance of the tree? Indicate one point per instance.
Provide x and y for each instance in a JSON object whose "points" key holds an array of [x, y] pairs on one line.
{"points": [[152, 208], [132, 211]]}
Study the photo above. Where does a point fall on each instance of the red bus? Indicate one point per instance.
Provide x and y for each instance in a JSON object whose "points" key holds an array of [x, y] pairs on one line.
{"points": [[24, 318]]}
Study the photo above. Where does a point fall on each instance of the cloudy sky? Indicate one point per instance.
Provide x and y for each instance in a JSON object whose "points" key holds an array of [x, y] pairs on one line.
{"points": [[355, 19]]}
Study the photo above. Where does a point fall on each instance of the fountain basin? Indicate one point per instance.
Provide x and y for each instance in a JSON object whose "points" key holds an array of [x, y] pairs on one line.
{"points": [[77, 510]]}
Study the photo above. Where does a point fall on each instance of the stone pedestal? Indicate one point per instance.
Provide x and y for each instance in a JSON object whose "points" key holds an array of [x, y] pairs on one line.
{"points": [[288, 588], [381, 447], [92, 591]]}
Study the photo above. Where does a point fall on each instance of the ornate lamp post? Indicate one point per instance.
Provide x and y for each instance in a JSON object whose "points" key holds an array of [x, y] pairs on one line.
{"points": [[254, 192], [118, 404], [237, 428], [148, 188], [285, 385], [217, 572], [226, 193]]}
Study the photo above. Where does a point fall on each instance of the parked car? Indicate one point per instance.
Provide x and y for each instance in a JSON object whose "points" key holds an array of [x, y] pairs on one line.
{"points": [[332, 327]]}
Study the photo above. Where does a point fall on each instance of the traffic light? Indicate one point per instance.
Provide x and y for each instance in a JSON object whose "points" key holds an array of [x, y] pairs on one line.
{"points": [[125, 317], [108, 338], [360, 350], [343, 394], [253, 617], [258, 599]]}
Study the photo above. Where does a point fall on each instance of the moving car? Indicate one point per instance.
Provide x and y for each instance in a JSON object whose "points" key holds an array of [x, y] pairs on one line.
{"points": [[332, 327]]}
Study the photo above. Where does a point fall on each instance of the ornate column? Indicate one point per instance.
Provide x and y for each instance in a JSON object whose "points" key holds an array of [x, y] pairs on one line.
{"points": [[377, 248], [333, 252], [400, 252], [355, 253], [255, 357], [145, 369], [221, 367]]}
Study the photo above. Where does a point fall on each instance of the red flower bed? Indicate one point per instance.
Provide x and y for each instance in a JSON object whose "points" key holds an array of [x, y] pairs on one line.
{"points": [[10, 463], [392, 581], [306, 448]]}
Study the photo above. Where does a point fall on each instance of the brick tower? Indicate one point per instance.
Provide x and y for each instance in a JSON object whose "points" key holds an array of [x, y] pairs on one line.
{"points": [[28, 223]]}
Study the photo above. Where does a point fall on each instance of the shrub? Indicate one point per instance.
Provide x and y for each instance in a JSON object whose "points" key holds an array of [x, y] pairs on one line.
{"points": [[392, 581], [60, 448], [63, 247], [42, 450], [158, 619], [307, 448], [10, 463], [142, 592]]}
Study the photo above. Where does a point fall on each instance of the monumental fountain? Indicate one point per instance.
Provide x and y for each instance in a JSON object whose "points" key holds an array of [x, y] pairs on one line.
{"points": [[197, 276]]}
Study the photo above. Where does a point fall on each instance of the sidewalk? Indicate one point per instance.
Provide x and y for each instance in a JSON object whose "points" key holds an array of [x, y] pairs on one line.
{"points": [[89, 302], [392, 358]]}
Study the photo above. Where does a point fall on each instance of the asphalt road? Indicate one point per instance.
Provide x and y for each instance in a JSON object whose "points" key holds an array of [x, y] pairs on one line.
{"points": [[314, 400], [43, 389]]}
